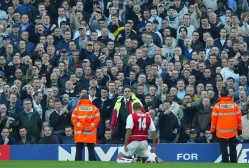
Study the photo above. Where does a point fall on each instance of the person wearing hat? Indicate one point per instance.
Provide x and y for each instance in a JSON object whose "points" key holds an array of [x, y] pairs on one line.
{"points": [[38, 19], [85, 118], [88, 54], [226, 124], [193, 136], [61, 57], [6, 41], [15, 35], [92, 90], [161, 11], [154, 29]]}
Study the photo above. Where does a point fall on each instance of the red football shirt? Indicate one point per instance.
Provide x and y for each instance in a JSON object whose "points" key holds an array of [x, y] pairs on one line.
{"points": [[140, 123]]}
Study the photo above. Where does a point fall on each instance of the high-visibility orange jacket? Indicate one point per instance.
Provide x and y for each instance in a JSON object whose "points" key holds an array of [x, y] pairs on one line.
{"points": [[226, 118], [85, 115]]}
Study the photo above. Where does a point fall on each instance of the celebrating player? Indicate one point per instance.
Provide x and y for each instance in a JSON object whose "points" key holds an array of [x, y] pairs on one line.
{"points": [[137, 124]]}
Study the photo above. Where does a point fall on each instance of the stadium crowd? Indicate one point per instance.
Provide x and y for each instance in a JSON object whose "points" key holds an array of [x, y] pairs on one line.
{"points": [[173, 55]]}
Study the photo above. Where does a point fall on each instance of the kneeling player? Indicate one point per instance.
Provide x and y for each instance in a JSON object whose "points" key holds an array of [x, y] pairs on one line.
{"points": [[137, 126]]}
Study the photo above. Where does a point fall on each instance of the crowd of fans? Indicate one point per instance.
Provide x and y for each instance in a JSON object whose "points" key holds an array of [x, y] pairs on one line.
{"points": [[175, 55]]}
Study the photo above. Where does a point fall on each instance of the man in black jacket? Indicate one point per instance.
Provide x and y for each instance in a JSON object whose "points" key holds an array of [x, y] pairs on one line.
{"points": [[242, 67], [105, 106], [60, 118], [126, 33], [168, 124]]}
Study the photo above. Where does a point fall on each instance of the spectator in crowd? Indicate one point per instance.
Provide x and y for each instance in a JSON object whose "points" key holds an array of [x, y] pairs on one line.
{"points": [[50, 107], [152, 111], [60, 118], [105, 105], [184, 135], [107, 137], [48, 137], [14, 106], [202, 118], [4, 116], [38, 104], [69, 137], [168, 124], [193, 137], [5, 138], [188, 112], [208, 137], [24, 138], [29, 119]]}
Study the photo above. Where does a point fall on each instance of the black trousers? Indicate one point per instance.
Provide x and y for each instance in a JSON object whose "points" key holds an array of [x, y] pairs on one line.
{"points": [[79, 150], [231, 142]]}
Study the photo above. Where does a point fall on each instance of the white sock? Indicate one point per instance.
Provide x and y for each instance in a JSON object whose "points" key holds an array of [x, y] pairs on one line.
{"points": [[124, 160]]}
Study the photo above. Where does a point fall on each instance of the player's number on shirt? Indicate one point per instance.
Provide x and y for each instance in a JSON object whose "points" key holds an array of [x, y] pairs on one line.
{"points": [[142, 123]]}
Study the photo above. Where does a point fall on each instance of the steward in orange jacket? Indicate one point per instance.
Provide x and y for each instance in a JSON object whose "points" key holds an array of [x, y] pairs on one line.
{"points": [[226, 123], [85, 118], [226, 118]]}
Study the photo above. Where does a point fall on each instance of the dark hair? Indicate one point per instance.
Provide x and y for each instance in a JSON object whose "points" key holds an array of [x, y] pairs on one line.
{"points": [[167, 101], [105, 88], [107, 129], [183, 28], [224, 92], [171, 7], [218, 74], [69, 126], [36, 93]]}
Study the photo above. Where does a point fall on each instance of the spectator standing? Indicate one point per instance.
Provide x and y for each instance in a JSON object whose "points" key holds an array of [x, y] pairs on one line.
{"points": [[29, 119], [60, 118], [168, 124], [105, 106], [202, 118]]}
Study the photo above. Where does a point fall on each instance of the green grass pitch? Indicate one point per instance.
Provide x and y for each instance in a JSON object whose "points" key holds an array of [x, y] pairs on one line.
{"points": [[98, 164]]}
